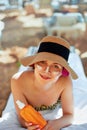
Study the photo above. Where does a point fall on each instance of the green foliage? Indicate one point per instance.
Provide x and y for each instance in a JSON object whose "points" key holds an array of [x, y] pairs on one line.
{"points": [[18, 64]]}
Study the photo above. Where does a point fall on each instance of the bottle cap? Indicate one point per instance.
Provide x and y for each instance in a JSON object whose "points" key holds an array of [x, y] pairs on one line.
{"points": [[20, 104]]}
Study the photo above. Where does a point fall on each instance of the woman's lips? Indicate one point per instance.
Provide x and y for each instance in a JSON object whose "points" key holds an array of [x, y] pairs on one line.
{"points": [[45, 77]]}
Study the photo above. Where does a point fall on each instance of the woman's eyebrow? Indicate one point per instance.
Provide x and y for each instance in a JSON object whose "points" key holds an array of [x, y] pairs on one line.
{"points": [[56, 63]]}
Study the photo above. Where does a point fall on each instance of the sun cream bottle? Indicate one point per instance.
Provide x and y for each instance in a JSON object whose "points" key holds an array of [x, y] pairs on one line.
{"points": [[29, 114]]}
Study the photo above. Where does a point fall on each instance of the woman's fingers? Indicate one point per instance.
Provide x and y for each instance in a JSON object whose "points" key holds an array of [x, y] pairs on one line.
{"points": [[30, 126]]}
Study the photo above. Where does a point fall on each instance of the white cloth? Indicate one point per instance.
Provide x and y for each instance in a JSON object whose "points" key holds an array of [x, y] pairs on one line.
{"points": [[9, 121]]}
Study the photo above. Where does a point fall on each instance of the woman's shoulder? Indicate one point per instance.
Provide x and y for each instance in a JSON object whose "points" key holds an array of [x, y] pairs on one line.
{"points": [[65, 81], [21, 77], [22, 74]]}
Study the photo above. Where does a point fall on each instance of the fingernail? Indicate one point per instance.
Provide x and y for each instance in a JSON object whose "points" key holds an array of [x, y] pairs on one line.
{"points": [[30, 124]]}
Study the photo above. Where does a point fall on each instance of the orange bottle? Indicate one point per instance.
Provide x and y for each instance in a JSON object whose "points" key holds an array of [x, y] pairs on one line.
{"points": [[29, 114]]}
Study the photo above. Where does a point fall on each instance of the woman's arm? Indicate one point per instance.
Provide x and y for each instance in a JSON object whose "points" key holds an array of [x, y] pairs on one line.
{"points": [[67, 101], [16, 88], [18, 83]]}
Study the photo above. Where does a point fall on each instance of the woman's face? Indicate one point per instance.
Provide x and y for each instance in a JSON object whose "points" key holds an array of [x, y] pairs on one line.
{"points": [[47, 70]]}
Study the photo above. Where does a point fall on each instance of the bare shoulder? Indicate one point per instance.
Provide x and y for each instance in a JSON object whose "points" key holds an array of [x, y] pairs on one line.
{"points": [[20, 78], [67, 85], [66, 81]]}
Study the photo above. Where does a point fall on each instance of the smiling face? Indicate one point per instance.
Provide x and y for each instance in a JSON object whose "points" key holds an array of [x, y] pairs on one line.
{"points": [[46, 71]]}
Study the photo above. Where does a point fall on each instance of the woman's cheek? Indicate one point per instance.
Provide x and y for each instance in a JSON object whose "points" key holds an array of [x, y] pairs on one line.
{"points": [[57, 75]]}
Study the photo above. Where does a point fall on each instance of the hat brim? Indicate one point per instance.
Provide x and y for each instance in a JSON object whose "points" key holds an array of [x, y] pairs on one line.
{"points": [[43, 56]]}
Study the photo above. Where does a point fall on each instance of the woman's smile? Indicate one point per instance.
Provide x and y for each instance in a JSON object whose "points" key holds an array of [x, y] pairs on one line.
{"points": [[45, 77]]}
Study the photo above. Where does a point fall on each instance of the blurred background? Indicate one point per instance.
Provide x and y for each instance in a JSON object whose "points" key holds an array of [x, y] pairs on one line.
{"points": [[23, 23]]}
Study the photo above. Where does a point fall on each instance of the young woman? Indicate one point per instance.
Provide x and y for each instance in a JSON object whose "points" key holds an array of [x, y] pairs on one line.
{"points": [[49, 81]]}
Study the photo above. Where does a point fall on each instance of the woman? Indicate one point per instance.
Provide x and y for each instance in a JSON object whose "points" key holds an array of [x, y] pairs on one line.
{"points": [[49, 80]]}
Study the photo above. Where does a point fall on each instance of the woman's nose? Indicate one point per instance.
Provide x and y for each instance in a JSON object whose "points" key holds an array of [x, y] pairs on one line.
{"points": [[47, 69]]}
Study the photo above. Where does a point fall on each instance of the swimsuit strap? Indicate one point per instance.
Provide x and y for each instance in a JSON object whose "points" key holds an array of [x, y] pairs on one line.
{"points": [[44, 107]]}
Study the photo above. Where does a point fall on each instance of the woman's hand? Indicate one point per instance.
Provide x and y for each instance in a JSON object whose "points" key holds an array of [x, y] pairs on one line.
{"points": [[51, 125], [30, 126]]}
